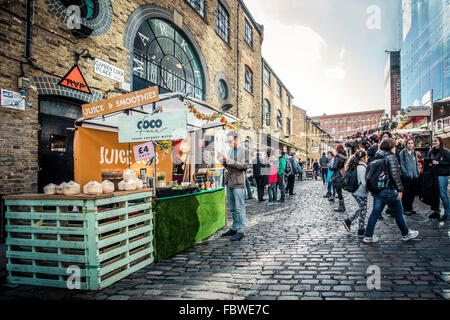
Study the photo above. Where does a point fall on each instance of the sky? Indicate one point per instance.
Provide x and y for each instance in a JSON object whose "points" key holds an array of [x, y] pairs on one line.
{"points": [[330, 54]]}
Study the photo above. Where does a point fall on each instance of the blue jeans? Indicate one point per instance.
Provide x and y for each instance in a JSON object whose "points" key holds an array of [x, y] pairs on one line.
{"points": [[272, 191], [236, 202], [249, 188], [443, 194], [330, 186], [389, 198]]}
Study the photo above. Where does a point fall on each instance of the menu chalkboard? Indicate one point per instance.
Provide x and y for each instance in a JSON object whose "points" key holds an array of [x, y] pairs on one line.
{"points": [[201, 178]]}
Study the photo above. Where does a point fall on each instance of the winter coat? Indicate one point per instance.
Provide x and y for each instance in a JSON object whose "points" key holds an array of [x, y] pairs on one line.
{"points": [[273, 174], [339, 163], [443, 168], [361, 171], [371, 152], [330, 172], [409, 164], [392, 170], [237, 168], [323, 162], [281, 165]]}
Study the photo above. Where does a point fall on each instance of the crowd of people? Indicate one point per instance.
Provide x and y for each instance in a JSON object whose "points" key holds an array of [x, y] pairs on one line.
{"points": [[398, 180], [385, 168]]}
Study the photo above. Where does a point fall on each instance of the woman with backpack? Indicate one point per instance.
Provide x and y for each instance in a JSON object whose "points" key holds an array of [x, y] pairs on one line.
{"points": [[440, 159], [339, 163], [384, 182], [358, 162]]}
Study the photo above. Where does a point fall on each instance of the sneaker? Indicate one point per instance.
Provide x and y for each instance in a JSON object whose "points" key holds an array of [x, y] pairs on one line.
{"points": [[229, 233], [361, 233], [443, 218], [373, 239], [237, 236], [434, 215], [347, 224], [411, 235], [331, 198]]}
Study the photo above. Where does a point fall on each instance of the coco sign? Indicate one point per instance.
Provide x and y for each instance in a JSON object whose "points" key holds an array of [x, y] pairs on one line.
{"points": [[160, 126]]}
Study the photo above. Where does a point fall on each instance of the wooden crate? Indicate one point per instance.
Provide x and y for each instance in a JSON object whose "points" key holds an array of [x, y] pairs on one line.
{"points": [[107, 238]]}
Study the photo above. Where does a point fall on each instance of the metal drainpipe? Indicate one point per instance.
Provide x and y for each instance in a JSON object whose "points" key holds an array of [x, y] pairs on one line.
{"points": [[28, 30], [237, 60]]}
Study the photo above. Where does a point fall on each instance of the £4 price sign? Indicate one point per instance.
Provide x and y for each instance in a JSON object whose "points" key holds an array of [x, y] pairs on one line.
{"points": [[144, 151]]}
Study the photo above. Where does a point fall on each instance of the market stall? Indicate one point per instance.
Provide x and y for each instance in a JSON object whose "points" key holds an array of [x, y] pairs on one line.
{"points": [[148, 184], [185, 172]]}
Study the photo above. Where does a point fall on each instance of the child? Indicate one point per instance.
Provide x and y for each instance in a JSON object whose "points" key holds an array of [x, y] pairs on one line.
{"points": [[272, 190]]}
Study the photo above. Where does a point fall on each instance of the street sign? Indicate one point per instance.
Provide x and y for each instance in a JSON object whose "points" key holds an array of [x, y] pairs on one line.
{"points": [[418, 111], [426, 99]]}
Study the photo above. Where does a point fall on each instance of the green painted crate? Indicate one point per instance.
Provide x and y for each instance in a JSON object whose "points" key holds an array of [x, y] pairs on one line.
{"points": [[107, 239]]}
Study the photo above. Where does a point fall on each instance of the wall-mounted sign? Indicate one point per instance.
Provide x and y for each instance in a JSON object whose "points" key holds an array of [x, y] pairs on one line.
{"points": [[125, 101], [418, 111], [144, 151], [314, 149], [12, 100], [74, 80], [160, 126], [105, 69]]}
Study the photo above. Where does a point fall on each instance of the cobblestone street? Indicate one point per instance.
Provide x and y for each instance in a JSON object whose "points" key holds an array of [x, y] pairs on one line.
{"points": [[296, 250]]}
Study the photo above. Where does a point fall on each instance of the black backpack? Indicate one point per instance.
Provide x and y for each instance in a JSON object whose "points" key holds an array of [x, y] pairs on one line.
{"points": [[350, 180], [376, 176], [288, 167]]}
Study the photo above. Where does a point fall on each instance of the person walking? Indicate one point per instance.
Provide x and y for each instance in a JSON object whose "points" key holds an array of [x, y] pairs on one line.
{"points": [[249, 188], [371, 152], [323, 162], [358, 161], [300, 164], [291, 177], [440, 160], [273, 176], [409, 166], [338, 165], [329, 195], [391, 195], [236, 164], [258, 173], [316, 169], [280, 179]]}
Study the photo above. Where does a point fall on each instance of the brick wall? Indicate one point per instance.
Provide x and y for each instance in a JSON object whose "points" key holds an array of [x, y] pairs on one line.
{"points": [[53, 51]]}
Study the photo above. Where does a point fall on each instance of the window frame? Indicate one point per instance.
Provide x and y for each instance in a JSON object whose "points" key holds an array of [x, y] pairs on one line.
{"points": [[223, 12], [288, 126], [246, 84], [266, 105], [279, 119], [265, 70], [192, 5], [278, 89], [248, 26]]}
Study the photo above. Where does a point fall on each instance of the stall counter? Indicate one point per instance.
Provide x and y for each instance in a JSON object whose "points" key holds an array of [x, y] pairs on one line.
{"points": [[182, 221]]}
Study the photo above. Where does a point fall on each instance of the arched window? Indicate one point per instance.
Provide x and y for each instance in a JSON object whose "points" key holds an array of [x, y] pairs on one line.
{"points": [[356, 119], [266, 111], [349, 120], [164, 57], [364, 119], [279, 119]]}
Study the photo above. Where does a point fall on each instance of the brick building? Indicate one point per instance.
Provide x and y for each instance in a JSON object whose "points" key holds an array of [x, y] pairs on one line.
{"points": [[340, 126], [277, 110], [209, 49]]}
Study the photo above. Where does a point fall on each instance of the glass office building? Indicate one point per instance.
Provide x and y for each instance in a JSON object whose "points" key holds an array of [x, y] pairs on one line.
{"points": [[425, 53]]}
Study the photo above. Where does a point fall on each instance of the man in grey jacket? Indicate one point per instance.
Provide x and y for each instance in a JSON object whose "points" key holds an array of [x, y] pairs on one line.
{"points": [[409, 166], [236, 163]]}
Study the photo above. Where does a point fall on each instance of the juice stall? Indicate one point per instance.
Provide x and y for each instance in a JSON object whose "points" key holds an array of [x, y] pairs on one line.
{"points": [[148, 184]]}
